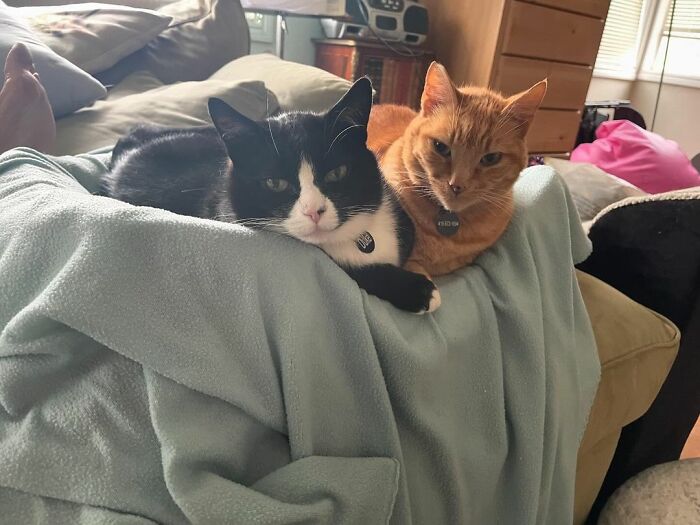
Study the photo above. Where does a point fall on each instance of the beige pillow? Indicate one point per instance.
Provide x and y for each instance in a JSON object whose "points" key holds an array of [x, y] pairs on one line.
{"points": [[180, 105], [93, 36], [296, 86]]}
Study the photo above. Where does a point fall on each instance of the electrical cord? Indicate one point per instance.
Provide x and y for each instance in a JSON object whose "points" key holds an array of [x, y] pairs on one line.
{"points": [[407, 52], [663, 66]]}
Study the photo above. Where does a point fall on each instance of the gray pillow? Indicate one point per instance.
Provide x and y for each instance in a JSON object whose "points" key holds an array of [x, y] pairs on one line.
{"points": [[203, 36], [68, 87], [592, 189], [94, 36]]}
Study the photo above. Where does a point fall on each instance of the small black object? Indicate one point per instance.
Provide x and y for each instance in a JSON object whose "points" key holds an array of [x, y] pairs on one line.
{"points": [[447, 222], [365, 243]]}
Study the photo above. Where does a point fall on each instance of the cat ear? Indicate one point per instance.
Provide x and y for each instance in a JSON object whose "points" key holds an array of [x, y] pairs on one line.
{"points": [[351, 112], [523, 106], [438, 90], [238, 133], [227, 120]]}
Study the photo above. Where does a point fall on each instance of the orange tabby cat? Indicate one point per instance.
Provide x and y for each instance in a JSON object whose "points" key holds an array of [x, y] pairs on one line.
{"points": [[454, 165]]}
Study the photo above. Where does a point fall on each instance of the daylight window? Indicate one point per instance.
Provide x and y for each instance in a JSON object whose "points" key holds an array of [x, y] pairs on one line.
{"points": [[682, 36], [618, 55]]}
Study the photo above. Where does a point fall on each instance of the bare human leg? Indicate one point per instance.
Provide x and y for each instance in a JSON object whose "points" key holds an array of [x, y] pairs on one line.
{"points": [[26, 118]]}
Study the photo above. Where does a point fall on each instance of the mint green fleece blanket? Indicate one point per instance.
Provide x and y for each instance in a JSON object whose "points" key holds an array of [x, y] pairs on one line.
{"points": [[159, 368]]}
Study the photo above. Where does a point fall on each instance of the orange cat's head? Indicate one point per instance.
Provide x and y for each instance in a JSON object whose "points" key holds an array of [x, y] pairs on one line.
{"points": [[467, 145]]}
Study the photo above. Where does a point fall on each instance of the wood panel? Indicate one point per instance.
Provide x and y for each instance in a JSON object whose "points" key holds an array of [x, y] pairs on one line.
{"points": [[540, 32], [553, 131], [464, 35], [567, 84], [595, 8], [335, 59]]}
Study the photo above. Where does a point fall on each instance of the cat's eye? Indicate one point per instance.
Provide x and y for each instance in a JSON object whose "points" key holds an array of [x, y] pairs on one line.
{"points": [[336, 174], [491, 159], [276, 185], [442, 148]]}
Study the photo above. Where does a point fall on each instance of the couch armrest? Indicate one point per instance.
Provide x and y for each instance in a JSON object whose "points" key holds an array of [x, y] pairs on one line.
{"points": [[637, 348], [649, 249]]}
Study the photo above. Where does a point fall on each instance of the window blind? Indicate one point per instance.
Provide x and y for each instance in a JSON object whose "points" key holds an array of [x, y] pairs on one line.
{"points": [[619, 46], [686, 19]]}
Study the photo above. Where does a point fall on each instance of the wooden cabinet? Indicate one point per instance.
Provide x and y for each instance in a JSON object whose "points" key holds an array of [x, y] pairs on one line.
{"points": [[396, 79], [511, 44]]}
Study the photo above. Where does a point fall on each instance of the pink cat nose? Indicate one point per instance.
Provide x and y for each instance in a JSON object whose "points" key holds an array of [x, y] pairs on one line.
{"points": [[315, 215], [456, 188]]}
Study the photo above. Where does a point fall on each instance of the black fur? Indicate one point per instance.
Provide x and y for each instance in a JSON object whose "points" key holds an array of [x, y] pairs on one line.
{"points": [[188, 171]]}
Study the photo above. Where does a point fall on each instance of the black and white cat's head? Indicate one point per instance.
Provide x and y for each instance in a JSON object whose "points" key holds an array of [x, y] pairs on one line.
{"points": [[308, 175]]}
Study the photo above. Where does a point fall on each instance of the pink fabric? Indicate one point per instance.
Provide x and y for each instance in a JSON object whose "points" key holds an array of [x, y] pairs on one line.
{"points": [[645, 159]]}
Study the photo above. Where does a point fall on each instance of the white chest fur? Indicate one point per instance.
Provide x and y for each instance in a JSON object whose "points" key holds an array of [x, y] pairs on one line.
{"points": [[381, 225]]}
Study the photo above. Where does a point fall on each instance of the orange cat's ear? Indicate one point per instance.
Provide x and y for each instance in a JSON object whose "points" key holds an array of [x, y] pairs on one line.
{"points": [[438, 90], [523, 106]]}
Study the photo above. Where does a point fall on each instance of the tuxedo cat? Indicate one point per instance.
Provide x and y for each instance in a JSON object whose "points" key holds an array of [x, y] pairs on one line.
{"points": [[306, 175]]}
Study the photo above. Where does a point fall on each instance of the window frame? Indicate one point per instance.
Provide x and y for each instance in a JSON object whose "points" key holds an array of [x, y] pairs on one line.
{"points": [[646, 21], [645, 70]]}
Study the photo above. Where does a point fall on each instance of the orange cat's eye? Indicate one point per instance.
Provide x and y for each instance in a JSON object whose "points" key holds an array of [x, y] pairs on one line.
{"points": [[491, 159], [442, 148]]}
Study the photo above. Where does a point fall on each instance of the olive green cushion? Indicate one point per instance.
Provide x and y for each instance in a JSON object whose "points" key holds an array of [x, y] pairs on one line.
{"points": [[636, 347]]}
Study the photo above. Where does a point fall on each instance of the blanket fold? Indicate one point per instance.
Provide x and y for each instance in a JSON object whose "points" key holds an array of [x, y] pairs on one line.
{"points": [[162, 368]]}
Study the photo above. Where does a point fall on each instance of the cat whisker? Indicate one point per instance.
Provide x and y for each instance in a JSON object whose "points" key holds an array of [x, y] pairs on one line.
{"points": [[515, 128], [338, 117], [341, 134], [503, 118], [269, 126], [455, 117], [498, 201], [193, 189]]}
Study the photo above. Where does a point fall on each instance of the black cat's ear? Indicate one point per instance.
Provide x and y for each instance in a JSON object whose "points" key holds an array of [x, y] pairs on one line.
{"points": [[350, 115], [227, 120]]}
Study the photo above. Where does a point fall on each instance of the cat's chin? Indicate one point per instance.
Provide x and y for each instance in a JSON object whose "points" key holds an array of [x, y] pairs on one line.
{"points": [[316, 237], [456, 204]]}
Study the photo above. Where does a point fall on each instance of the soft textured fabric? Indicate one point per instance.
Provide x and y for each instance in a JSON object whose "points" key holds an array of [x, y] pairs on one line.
{"points": [[667, 494], [636, 348], [649, 249], [591, 188], [94, 36], [142, 4], [183, 105], [297, 86], [67, 86], [166, 368], [645, 159], [203, 36]]}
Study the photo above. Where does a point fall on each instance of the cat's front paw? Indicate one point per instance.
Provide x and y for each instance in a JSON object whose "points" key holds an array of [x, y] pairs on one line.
{"points": [[435, 300], [426, 297]]}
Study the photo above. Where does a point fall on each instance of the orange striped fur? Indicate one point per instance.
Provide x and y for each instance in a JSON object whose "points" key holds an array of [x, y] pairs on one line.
{"points": [[471, 122]]}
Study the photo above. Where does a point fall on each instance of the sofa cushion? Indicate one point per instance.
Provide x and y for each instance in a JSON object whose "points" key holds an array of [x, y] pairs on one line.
{"points": [[636, 347], [93, 36], [203, 36], [182, 105], [297, 87], [67, 86]]}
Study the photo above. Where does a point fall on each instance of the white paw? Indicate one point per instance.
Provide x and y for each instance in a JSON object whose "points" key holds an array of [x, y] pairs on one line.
{"points": [[435, 301], [433, 304]]}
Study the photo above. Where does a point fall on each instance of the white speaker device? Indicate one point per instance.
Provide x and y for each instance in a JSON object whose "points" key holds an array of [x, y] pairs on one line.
{"points": [[394, 20]]}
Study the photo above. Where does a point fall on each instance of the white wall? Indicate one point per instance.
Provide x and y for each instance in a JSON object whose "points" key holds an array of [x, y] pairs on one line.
{"points": [[609, 89], [678, 116]]}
